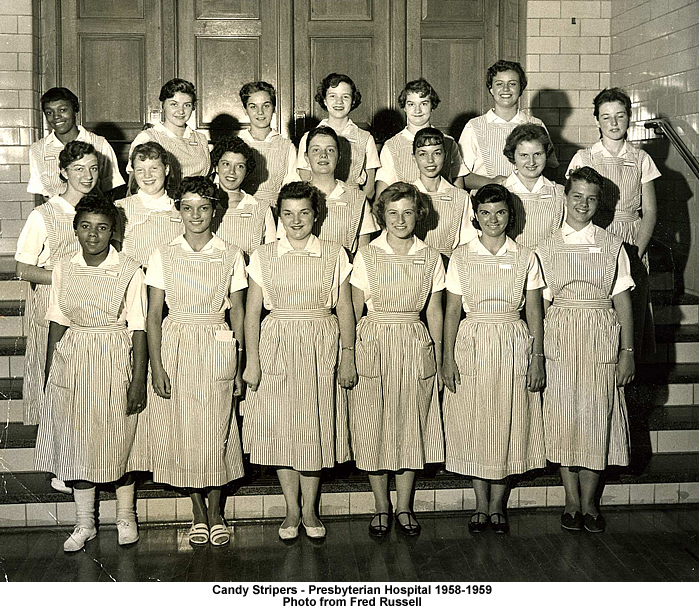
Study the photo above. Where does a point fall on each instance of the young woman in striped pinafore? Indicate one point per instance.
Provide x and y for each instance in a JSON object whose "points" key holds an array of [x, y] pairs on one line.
{"points": [[292, 419], [240, 219], [628, 197], [394, 409], [588, 347], [339, 96], [195, 361], [46, 238], [418, 100], [275, 155], [151, 216], [188, 148], [539, 202], [493, 366], [96, 371], [448, 222]]}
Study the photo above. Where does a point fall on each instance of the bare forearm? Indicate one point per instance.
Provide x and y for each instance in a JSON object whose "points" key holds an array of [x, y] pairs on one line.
{"points": [[140, 346], [33, 274], [451, 325], [534, 314]]}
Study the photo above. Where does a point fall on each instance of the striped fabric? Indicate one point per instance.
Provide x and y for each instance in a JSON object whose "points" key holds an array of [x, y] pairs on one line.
{"points": [[341, 219], [493, 424], [188, 157], [353, 149], [243, 227], [492, 137], [193, 437], [401, 151], [147, 228], [622, 193], [62, 243], [537, 215], [84, 432], [439, 229], [395, 419], [271, 162], [294, 418], [585, 415]]}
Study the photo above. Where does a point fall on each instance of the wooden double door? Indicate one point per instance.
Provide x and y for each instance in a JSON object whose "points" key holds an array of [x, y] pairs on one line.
{"points": [[116, 54]]}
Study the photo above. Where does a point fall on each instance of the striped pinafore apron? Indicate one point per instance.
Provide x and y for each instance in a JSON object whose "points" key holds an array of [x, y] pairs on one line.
{"points": [[86, 434], [341, 219], [585, 416], [401, 150], [244, 227], [622, 197], [493, 424], [395, 419], [271, 162], [293, 419], [62, 242], [147, 229], [537, 215], [492, 137], [440, 227], [351, 161], [188, 156], [193, 436]]}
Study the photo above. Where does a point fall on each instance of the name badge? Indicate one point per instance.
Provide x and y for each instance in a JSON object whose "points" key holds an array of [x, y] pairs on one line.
{"points": [[446, 198], [224, 335], [594, 249], [337, 203], [113, 273], [629, 163], [50, 158], [419, 262], [314, 254], [246, 215], [505, 266], [175, 220], [217, 260], [545, 196], [350, 139], [194, 143]]}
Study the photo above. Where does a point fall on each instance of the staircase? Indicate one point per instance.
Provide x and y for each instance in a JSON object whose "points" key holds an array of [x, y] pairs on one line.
{"points": [[663, 411]]}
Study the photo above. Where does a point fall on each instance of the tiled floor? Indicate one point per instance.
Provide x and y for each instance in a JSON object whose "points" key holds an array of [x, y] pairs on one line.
{"points": [[649, 544]]}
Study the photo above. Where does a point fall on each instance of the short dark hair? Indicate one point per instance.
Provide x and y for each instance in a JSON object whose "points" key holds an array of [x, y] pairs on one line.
{"points": [[150, 150], [423, 89], [73, 151], [490, 194], [201, 185], [254, 87], [96, 203], [503, 66], [232, 144], [333, 80], [400, 191], [527, 132], [174, 86], [60, 93], [429, 136], [300, 190], [613, 94], [585, 174], [322, 130]]}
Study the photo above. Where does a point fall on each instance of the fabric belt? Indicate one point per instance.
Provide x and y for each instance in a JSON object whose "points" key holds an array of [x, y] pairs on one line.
{"points": [[493, 317], [99, 329], [596, 304], [388, 318], [313, 313], [197, 318]]}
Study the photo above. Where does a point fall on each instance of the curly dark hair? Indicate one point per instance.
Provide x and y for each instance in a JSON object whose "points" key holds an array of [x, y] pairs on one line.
{"points": [[527, 132], [254, 87], [232, 144], [613, 94], [200, 185], [423, 89], [429, 136], [73, 151], [300, 190], [400, 191], [490, 194], [174, 86], [333, 80], [150, 150], [96, 203], [585, 174], [503, 66], [60, 93]]}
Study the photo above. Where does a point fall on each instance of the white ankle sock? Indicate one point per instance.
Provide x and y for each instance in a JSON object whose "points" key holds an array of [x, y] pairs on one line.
{"points": [[84, 507], [125, 502]]}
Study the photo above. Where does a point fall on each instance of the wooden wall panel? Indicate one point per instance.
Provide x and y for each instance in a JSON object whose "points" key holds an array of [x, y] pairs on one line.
{"points": [[124, 9], [453, 10], [227, 9], [348, 10]]}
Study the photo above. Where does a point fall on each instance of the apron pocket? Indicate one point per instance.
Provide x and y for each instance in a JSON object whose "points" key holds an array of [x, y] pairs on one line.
{"points": [[226, 359], [607, 343], [522, 349], [367, 358], [270, 355], [551, 342], [428, 367], [464, 356]]}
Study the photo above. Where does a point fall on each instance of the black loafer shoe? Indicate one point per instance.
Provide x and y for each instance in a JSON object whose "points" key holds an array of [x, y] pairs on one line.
{"points": [[381, 528], [499, 526], [572, 522], [411, 528], [476, 526], [594, 524]]}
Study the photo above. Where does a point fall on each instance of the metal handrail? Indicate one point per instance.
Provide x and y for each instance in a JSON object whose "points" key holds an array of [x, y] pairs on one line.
{"points": [[662, 127]]}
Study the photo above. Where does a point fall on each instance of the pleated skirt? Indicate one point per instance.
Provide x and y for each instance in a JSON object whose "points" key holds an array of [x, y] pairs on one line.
{"points": [[395, 420], [193, 437], [84, 433], [35, 352], [493, 424], [297, 418], [585, 416]]}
